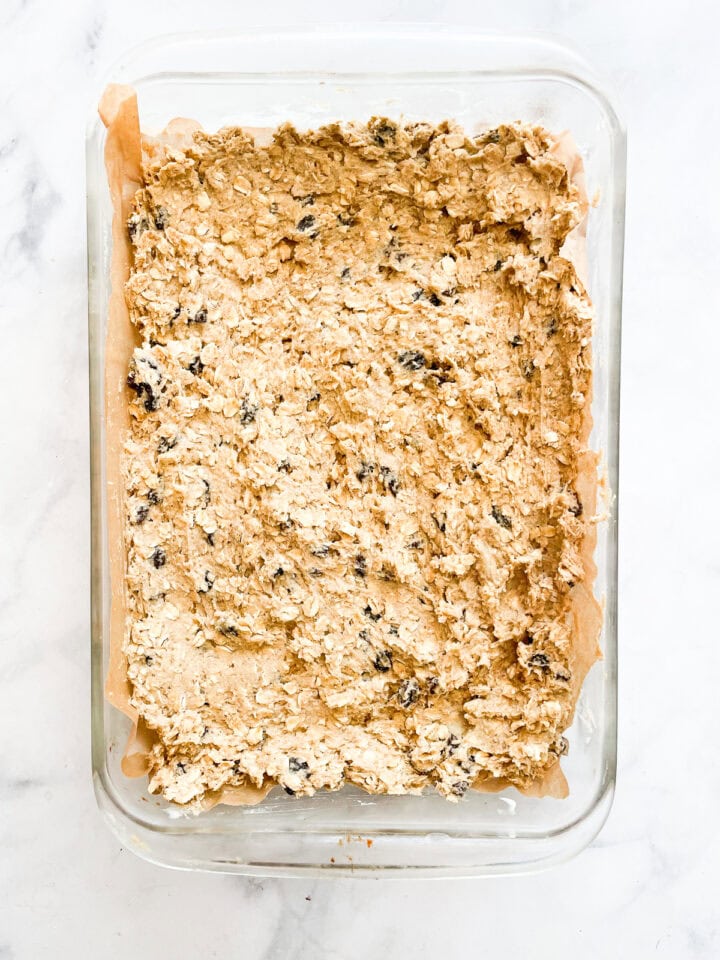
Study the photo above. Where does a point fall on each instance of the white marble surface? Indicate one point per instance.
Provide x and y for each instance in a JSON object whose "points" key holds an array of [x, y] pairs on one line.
{"points": [[643, 889]]}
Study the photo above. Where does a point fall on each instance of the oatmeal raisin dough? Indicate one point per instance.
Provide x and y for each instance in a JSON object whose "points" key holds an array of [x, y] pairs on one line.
{"points": [[358, 417]]}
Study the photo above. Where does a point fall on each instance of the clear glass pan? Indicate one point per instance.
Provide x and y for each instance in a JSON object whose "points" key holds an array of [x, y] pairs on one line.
{"points": [[309, 77]]}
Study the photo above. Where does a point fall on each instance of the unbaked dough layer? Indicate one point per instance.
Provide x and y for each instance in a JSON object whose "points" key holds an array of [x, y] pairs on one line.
{"points": [[356, 492]]}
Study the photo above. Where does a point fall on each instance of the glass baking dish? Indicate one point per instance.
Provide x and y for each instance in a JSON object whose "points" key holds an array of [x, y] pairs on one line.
{"points": [[311, 76]]}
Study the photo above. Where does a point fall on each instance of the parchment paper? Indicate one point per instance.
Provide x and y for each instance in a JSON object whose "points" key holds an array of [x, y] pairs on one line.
{"points": [[125, 149]]}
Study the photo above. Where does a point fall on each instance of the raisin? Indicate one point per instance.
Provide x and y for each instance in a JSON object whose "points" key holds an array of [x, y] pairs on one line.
{"points": [[529, 370], [207, 584], [552, 327], [143, 389], [412, 360], [408, 693], [296, 765], [315, 572], [364, 636], [200, 316], [383, 133], [210, 537], [499, 517], [206, 492], [153, 497], [151, 403], [161, 218], [460, 788], [562, 676], [540, 660], [345, 275], [176, 313], [441, 378], [137, 225], [196, 366], [248, 411], [321, 551], [434, 299], [440, 524], [228, 630], [453, 743], [389, 480], [148, 659], [577, 508], [167, 443], [159, 557], [141, 513], [415, 545], [307, 201], [433, 685], [445, 212], [498, 265], [284, 466], [371, 615], [383, 661], [287, 524], [306, 223], [417, 294], [516, 341], [346, 220], [365, 470], [279, 572], [360, 565], [393, 630]]}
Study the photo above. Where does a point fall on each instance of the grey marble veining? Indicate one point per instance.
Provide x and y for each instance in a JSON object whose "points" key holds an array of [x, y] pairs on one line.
{"points": [[644, 887]]}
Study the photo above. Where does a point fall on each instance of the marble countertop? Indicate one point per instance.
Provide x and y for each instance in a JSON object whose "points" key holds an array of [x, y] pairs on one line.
{"points": [[643, 887]]}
